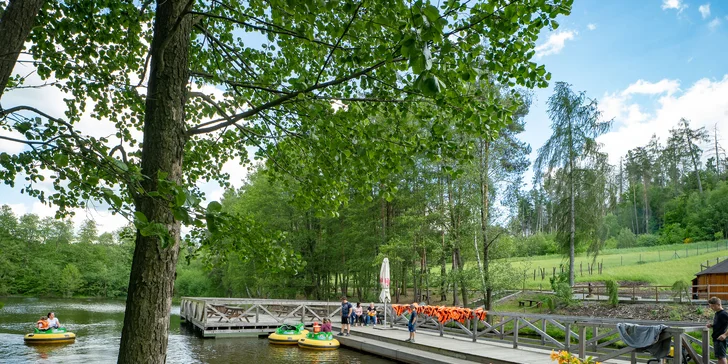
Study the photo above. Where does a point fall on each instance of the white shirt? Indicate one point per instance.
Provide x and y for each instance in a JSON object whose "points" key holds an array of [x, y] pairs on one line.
{"points": [[53, 322]]}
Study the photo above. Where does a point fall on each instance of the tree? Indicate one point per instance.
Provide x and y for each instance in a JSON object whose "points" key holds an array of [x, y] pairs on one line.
{"points": [[575, 125], [376, 59], [16, 22], [70, 280]]}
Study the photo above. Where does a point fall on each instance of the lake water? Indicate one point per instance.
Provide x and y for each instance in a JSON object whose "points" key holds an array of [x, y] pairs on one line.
{"points": [[98, 323]]}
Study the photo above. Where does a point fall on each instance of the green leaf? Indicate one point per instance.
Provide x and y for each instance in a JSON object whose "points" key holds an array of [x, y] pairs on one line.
{"points": [[430, 85], [214, 206], [139, 216], [431, 12], [180, 198], [61, 160]]}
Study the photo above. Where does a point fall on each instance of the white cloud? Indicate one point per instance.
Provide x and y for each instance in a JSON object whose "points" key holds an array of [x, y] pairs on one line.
{"points": [[705, 103], [555, 43], [714, 23], [690, 59], [704, 10], [674, 4], [649, 88], [591, 26]]}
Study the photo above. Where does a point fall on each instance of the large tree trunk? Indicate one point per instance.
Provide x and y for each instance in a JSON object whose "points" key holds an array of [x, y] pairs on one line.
{"points": [[15, 25], [146, 322]]}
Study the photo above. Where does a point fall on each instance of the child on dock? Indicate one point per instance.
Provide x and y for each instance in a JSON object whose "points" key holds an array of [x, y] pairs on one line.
{"points": [[411, 324]]}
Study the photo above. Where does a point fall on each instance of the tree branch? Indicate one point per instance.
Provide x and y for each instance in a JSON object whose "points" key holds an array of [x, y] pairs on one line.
{"points": [[338, 41], [282, 99]]}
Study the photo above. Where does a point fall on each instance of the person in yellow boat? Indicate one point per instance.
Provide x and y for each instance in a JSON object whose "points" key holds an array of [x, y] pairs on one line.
{"points": [[42, 324], [326, 327], [53, 321]]}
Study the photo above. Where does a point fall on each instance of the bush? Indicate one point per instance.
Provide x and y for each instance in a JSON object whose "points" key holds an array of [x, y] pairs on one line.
{"points": [[612, 290], [672, 234], [681, 289], [610, 243], [647, 240], [718, 235], [626, 239], [562, 289]]}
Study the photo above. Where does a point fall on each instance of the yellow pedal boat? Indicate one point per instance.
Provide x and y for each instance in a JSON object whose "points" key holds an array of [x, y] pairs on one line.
{"points": [[319, 341], [52, 336], [287, 335]]}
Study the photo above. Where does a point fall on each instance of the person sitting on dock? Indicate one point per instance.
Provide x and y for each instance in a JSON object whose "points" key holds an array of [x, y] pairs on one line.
{"points": [[411, 324], [53, 321], [326, 327], [358, 314], [371, 314], [42, 324]]}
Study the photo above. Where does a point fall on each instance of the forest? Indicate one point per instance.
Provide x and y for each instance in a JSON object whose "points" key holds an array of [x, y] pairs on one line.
{"points": [[430, 222]]}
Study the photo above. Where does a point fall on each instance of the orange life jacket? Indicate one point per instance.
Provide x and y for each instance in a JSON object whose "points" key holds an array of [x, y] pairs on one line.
{"points": [[42, 324]]}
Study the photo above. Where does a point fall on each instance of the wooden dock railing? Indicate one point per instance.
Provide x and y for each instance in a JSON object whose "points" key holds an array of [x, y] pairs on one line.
{"points": [[580, 335]]}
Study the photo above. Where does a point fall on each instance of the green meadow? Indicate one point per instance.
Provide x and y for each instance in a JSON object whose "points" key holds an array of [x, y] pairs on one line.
{"points": [[658, 265]]}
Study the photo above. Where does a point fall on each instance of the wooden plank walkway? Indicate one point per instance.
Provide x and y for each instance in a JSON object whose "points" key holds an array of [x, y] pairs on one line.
{"points": [[448, 348]]}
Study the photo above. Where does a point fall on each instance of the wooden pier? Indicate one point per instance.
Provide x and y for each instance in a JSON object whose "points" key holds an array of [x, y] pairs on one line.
{"points": [[215, 317], [504, 337]]}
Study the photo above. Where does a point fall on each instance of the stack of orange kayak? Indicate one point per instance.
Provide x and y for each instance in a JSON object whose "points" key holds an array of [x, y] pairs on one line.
{"points": [[443, 313]]}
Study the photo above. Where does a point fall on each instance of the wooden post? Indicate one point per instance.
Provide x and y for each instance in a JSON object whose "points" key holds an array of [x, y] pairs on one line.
{"points": [[582, 341], [595, 333], [567, 340], [621, 260], [633, 357], [706, 346], [475, 328], [677, 344], [441, 324], [534, 274], [580, 269], [515, 332], [553, 274], [656, 296], [543, 328], [257, 316]]}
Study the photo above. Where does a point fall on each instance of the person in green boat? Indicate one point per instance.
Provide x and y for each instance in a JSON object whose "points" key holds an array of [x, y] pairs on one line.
{"points": [[326, 327], [53, 321], [42, 324]]}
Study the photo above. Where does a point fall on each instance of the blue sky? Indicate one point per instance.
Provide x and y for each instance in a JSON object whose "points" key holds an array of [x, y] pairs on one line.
{"points": [[660, 49], [647, 62]]}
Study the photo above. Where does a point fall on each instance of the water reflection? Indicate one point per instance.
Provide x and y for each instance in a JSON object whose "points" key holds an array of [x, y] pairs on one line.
{"points": [[98, 323]]}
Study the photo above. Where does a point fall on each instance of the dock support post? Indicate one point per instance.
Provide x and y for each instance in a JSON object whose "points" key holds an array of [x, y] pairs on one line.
{"points": [[475, 329], [582, 341], [516, 321]]}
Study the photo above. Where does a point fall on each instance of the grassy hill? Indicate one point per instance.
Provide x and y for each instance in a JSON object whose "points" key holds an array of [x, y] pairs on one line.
{"points": [[659, 265]]}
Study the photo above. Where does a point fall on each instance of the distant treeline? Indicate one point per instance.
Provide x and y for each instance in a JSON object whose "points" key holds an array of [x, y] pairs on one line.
{"points": [[46, 257]]}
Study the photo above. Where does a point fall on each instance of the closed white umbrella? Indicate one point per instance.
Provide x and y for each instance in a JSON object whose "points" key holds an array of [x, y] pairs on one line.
{"points": [[384, 282]]}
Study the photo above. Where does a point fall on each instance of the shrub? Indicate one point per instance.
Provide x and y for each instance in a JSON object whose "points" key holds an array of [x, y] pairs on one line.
{"points": [[626, 238], [718, 235], [672, 234], [612, 290], [647, 240], [610, 243], [681, 289], [562, 289]]}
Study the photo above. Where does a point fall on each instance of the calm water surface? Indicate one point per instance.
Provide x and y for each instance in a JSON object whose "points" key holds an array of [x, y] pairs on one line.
{"points": [[98, 323]]}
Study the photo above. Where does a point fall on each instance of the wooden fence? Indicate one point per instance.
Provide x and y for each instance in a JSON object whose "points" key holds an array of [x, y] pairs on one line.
{"points": [[580, 335]]}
